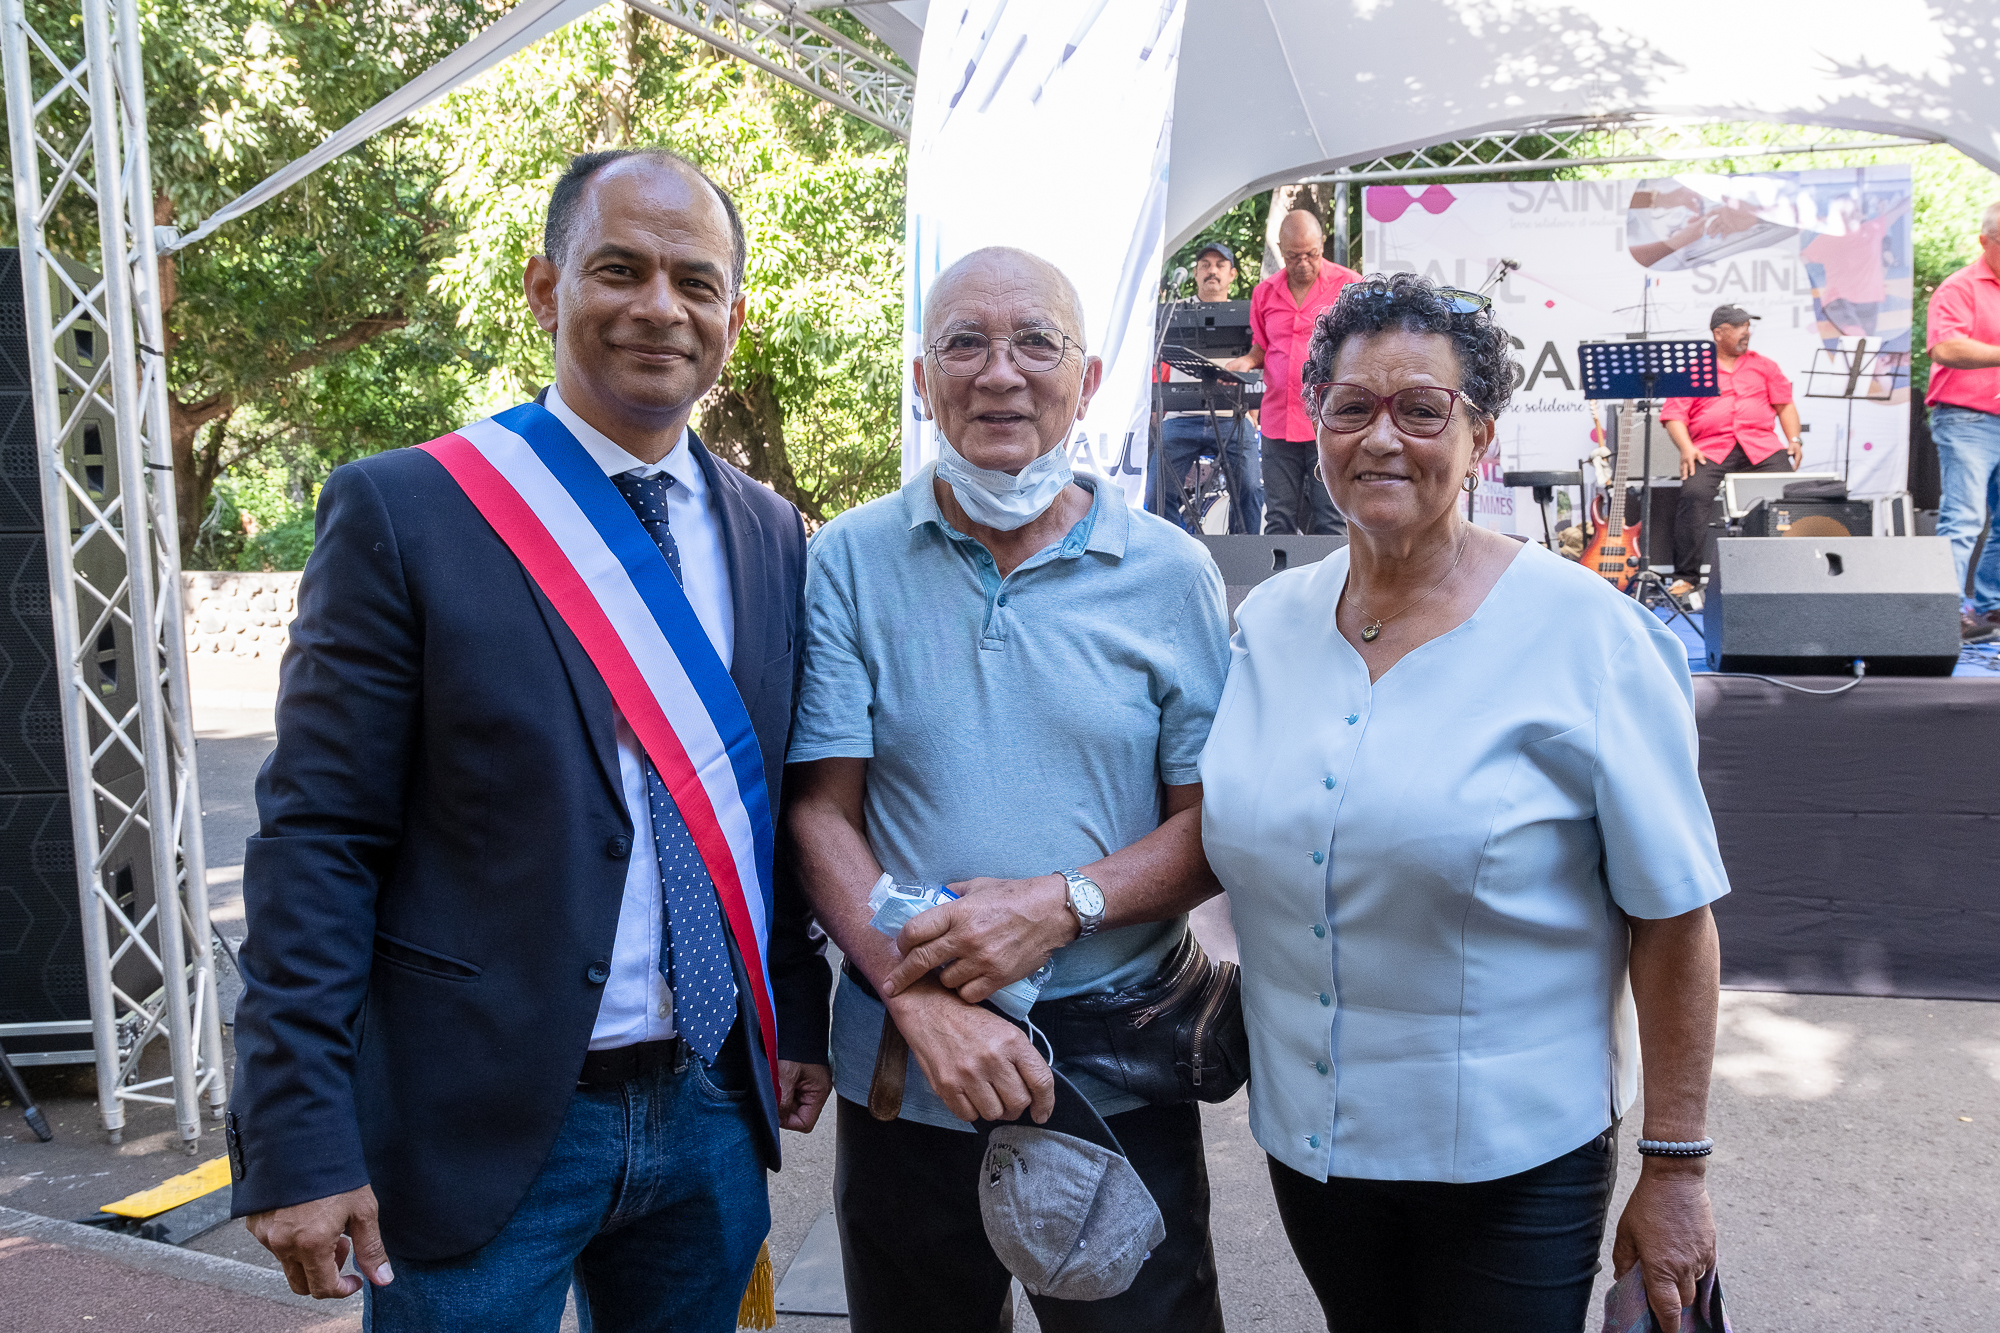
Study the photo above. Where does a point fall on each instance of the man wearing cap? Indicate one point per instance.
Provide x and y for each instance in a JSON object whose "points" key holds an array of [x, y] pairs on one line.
{"points": [[1730, 432], [1186, 436], [1282, 311], [1963, 329], [1008, 679]]}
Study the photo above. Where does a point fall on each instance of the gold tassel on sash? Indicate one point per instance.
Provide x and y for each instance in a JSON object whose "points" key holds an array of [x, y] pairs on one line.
{"points": [[760, 1298]]}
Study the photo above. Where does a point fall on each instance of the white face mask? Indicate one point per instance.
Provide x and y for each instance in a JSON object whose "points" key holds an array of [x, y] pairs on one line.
{"points": [[998, 499]]}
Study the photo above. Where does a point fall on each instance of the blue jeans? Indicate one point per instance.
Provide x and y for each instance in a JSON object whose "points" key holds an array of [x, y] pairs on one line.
{"points": [[652, 1201], [1968, 445], [1233, 443], [1514, 1255]]}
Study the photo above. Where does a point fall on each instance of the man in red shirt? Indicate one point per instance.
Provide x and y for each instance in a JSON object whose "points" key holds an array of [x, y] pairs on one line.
{"points": [[1730, 432], [1964, 398], [1283, 309]]}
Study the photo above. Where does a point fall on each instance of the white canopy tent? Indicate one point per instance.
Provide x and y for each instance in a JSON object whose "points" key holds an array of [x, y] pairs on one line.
{"points": [[1279, 91]]}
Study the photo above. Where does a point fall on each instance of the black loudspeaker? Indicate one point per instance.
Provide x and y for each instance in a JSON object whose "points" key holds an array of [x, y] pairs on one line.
{"points": [[1810, 518], [13, 325], [1811, 606], [41, 949], [1246, 560]]}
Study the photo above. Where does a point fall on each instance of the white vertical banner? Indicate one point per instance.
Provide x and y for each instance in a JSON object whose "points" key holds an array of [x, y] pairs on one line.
{"points": [[1044, 124]]}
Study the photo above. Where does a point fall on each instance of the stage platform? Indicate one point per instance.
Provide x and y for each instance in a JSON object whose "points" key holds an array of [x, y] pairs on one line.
{"points": [[1860, 831]]}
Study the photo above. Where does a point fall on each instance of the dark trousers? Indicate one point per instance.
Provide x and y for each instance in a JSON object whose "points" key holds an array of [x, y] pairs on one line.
{"points": [[1232, 442], [1692, 540], [1514, 1255], [1294, 499], [915, 1253]]}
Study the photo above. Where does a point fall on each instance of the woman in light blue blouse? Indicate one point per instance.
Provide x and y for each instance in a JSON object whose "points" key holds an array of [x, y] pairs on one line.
{"points": [[1452, 792]]}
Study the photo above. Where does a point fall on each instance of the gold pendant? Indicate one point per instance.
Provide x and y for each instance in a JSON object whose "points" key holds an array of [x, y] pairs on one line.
{"points": [[1370, 633]]}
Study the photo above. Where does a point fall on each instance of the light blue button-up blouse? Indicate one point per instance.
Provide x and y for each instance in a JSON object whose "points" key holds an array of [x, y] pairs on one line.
{"points": [[1427, 874]]}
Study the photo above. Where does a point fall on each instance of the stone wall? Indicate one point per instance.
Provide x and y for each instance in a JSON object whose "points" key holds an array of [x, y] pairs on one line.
{"points": [[243, 616]]}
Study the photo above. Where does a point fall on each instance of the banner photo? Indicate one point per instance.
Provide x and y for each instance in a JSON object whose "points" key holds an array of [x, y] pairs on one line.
{"points": [[1044, 125], [1822, 258]]}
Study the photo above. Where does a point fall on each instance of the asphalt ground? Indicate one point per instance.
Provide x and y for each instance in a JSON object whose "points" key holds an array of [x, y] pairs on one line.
{"points": [[1856, 1178]]}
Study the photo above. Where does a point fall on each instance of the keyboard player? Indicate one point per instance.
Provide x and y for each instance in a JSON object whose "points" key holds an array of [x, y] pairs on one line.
{"points": [[1230, 437]]}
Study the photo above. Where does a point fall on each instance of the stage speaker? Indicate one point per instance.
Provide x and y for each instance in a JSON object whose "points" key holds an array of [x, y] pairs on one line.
{"points": [[1246, 560], [1810, 606], [41, 946], [1810, 518]]}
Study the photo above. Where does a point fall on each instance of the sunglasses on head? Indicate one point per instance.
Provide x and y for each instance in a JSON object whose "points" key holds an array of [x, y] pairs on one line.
{"points": [[1460, 301]]}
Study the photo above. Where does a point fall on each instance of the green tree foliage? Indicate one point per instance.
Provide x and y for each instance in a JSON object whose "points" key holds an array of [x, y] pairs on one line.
{"points": [[311, 322], [809, 402]]}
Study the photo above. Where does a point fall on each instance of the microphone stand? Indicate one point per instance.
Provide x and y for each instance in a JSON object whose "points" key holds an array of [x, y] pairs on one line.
{"points": [[1160, 417]]}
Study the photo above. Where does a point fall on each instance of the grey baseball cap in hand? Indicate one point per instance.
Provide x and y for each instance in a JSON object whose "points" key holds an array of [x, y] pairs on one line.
{"points": [[1067, 1216]]}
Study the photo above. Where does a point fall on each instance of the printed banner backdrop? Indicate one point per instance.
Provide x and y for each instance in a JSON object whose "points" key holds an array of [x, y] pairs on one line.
{"points": [[1044, 124], [1822, 257]]}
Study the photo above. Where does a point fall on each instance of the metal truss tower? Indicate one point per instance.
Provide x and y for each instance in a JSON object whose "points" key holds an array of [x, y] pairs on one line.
{"points": [[782, 39], [76, 120]]}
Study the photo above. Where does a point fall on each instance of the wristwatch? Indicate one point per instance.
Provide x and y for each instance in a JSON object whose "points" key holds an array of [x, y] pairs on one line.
{"points": [[1086, 900]]}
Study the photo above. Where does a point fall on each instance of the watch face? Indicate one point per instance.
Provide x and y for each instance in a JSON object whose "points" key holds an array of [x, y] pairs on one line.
{"points": [[1089, 898]]}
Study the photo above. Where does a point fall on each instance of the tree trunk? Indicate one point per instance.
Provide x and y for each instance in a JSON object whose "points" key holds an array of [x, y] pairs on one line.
{"points": [[744, 423], [195, 471]]}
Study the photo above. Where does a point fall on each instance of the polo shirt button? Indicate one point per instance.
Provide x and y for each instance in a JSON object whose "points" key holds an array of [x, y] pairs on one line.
{"points": [[1318, 857], [597, 973], [618, 848], [1325, 1000], [1003, 599], [1327, 783], [1312, 1140], [1320, 1065], [1320, 931]]}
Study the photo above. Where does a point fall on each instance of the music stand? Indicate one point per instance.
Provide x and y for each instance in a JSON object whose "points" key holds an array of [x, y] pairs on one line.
{"points": [[1213, 375], [1645, 370], [1847, 381]]}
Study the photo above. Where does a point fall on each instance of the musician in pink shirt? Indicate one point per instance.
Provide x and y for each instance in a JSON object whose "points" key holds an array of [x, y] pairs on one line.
{"points": [[1964, 398], [1283, 309]]}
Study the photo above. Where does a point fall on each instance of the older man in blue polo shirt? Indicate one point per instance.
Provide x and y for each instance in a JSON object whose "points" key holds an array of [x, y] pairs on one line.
{"points": [[1008, 679]]}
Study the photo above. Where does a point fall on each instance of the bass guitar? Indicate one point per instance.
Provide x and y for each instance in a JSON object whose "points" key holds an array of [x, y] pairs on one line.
{"points": [[1615, 550]]}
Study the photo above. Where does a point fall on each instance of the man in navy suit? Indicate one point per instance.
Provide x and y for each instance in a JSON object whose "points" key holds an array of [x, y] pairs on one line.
{"points": [[488, 1031]]}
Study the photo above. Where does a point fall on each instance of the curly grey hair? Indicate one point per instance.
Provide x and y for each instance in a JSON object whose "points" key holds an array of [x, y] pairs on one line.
{"points": [[1408, 303]]}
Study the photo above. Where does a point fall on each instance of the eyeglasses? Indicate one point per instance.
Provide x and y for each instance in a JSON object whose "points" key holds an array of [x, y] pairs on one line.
{"points": [[1420, 410], [1460, 301], [1035, 351]]}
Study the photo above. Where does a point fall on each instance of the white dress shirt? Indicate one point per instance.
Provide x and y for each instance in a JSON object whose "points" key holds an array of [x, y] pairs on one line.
{"points": [[637, 1004], [1430, 874]]}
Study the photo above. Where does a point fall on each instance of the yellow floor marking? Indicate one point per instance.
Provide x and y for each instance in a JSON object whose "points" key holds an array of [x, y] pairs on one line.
{"points": [[204, 1179]]}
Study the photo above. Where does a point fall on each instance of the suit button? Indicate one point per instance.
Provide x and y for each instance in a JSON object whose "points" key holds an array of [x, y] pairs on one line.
{"points": [[597, 973], [618, 848]]}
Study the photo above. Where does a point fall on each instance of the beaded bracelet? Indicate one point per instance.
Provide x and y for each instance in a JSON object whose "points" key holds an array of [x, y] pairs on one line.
{"points": [[1659, 1148]]}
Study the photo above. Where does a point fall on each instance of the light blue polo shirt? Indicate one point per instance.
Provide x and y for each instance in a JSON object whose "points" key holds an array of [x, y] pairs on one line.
{"points": [[1012, 726]]}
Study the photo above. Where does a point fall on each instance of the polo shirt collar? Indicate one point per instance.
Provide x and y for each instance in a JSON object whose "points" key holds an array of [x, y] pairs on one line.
{"points": [[1109, 521], [611, 456]]}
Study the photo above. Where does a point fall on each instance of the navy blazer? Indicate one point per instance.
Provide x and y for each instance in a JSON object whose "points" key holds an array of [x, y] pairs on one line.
{"points": [[434, 886]]}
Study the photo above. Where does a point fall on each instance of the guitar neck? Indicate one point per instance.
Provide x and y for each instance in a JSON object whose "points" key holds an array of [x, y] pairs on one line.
{"points": [[1614, 506]]}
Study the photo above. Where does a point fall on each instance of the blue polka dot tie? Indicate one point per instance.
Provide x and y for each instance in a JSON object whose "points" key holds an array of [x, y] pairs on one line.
{"points": [[695, 955]]}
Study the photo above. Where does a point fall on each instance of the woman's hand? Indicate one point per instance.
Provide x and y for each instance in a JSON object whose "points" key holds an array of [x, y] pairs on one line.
{"points": [[1668, 1229]]}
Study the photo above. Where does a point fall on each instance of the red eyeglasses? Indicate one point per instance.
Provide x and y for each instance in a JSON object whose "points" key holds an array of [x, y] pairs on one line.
{"points": [[1421, 410]]}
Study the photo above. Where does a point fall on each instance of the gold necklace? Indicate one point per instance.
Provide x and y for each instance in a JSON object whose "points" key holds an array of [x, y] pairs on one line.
{"points": [[1372, 629]]}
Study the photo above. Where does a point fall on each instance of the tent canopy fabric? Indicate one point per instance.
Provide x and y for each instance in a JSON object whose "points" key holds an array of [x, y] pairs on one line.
{"points": [[1276, 91]]}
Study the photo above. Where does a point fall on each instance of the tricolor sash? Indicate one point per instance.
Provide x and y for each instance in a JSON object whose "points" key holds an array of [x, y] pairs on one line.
{"points": [[583, 546]]}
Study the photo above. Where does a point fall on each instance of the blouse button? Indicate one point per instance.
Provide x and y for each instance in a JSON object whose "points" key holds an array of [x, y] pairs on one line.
{"points": [[1320, 931], [1352, 718], [1320, 1065], [1327, 783], [1312, 1140], [1318, 857], [1325, 1000]]}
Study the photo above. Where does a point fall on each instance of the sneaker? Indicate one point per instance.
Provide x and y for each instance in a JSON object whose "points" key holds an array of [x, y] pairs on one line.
{"points": [[1978, 627]]}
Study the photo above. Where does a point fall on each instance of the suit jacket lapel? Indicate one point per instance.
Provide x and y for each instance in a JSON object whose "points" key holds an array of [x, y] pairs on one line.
{"points": [[742, 545]]}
